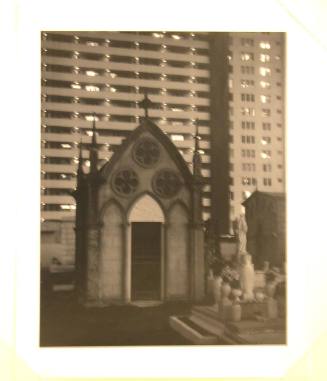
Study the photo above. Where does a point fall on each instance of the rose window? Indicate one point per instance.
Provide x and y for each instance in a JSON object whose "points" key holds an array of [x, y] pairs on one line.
{"points": [[146, 152], [166, 183], [125, 182]]}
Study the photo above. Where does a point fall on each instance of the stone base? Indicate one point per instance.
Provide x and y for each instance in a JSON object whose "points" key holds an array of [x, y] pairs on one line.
{"points": [[244, 332], [254, 310]]}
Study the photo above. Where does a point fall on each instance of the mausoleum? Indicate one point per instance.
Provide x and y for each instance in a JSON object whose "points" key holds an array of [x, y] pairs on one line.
{"points": [[139, 231]]}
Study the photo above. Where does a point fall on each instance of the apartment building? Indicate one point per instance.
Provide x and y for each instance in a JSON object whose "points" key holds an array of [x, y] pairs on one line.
{"points": [[256, 116], [103, 75]]}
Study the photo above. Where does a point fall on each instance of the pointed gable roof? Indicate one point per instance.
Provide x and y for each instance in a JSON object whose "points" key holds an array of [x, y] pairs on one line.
{"points": [[161, 137]]}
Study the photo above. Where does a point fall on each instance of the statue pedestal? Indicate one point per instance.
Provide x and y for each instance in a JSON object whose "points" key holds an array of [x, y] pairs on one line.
{"points": [[251, 310]]}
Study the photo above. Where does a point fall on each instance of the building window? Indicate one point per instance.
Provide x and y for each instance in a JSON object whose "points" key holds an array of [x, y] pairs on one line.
{"points": [[266, 126], [92, 88], [247, 69], [248, 125], [247, 42], [265, 84], [247, 83], [265, 98], [249, 181], [248, 167], [265, 154], [248, 153], [266, 112], [266, 167], [248, 111], [249, 139], [247, 97], [264, 71], [264, 57], [246, 56], [231, 181], [264, 45], [267, 181]]}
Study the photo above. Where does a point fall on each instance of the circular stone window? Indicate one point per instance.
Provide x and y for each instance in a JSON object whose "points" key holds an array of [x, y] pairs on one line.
{"points": [[146, 152], [166, 183], [125, 182]]}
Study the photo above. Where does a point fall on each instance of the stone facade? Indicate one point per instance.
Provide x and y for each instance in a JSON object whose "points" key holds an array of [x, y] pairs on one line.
{"points": [[147, 180], [266, 220], [58, 242]]}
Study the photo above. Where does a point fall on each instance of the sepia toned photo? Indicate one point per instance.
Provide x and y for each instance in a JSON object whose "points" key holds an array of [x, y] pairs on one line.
{"points": [[163, 216]]}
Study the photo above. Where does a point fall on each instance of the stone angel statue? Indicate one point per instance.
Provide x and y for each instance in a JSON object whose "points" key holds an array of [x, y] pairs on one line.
{"points": [[242, 229]]}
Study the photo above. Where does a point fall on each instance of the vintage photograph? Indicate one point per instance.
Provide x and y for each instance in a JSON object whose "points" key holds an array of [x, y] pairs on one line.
{"points": [[163, 196]]}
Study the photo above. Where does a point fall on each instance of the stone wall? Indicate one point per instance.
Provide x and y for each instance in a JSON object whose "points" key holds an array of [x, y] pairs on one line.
{"points": [[58, 241]]}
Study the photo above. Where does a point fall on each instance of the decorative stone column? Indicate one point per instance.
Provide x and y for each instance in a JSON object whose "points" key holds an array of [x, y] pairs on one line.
{"points": [[163, 260], [92, 276], [127, 261], [198, 262]]}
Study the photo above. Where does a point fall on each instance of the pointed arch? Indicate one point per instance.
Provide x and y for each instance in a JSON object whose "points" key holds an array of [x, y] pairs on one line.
{"points": [[107, 204], [156, 209], [182, 205]]}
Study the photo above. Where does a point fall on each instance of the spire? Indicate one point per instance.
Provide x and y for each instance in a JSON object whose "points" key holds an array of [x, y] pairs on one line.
{"points": [[94, 140], [196, 137], [196, 156], [93, 149], [146, 103], [80, 160]]}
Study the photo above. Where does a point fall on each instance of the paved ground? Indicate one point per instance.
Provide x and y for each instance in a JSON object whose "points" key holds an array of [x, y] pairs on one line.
{"points": [[65, 323]]}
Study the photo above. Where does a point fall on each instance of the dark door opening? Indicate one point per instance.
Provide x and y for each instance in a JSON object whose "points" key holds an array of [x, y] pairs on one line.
{"points": [[146, 271]]}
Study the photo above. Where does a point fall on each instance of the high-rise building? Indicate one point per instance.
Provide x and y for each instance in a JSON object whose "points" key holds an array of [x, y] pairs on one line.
{"points": [[187, 76], [256, 114]]}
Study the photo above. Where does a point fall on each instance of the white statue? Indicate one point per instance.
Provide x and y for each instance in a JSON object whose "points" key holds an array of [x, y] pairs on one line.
{"points": [[242, 229], [247, 278]]}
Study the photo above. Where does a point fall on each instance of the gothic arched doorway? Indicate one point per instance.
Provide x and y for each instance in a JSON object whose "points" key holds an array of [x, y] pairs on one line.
{"points": [[146, 251]]}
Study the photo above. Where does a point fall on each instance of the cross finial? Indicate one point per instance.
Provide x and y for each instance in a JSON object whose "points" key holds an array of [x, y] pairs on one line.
{"points": [[146, 103]]}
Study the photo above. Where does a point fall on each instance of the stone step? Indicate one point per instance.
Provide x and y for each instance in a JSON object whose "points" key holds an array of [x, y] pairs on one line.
{"points": [[213, 327], [190, 333], [209, 311], [204, 317]]}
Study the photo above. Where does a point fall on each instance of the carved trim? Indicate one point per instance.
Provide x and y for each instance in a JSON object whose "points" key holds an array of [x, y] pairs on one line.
{"points": [[155, 147]]}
